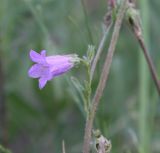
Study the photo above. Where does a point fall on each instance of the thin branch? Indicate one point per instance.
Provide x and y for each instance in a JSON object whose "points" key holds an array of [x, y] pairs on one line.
{"points": [[149, 61], [135, 24], [104, 77], [99, 50]]}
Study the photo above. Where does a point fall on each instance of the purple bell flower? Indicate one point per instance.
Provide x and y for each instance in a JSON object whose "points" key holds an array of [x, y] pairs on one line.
{"points": [[48, 67]]}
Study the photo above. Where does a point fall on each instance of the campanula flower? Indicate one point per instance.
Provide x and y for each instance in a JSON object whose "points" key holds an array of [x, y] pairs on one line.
{"points": [[48, 67]]}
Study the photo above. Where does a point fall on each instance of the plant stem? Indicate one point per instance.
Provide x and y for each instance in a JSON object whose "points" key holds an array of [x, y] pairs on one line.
{"points": [[137, 29], [89, 89], [63, 147], [99, 50], [149, 61], [103, 77], [143, 82], [134, 20]]}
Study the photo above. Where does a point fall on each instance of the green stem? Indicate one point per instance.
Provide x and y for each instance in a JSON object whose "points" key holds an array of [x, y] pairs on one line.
{"points": [[144, 83], [89, 87]]}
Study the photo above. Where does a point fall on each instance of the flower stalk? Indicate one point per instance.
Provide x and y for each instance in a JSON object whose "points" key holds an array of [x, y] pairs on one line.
{"points": [[87, 83], [103, 77]]}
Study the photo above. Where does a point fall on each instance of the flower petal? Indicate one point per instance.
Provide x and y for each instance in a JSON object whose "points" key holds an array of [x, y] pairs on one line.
{"points": [[35, 71], [57, 70], [42, 82], [38, 58], [57, 59], [34, 56], [43, 53]]}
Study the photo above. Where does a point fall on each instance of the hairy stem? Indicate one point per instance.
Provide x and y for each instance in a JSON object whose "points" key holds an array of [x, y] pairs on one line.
{"points": [[103, 77]]}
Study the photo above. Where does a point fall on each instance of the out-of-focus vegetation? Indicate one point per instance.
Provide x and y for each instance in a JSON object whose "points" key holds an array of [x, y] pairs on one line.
{"points": [[37, 121]]}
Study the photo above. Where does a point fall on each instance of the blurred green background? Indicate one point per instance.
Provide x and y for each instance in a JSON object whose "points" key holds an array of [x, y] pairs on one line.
{"points": [[36, 121]]}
